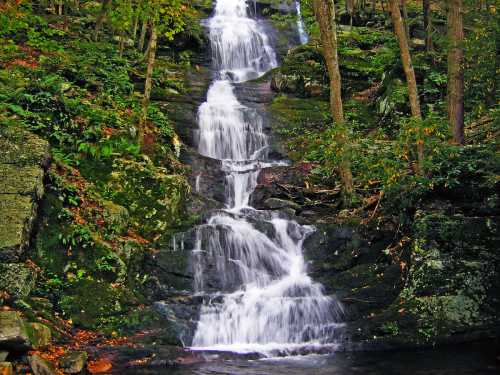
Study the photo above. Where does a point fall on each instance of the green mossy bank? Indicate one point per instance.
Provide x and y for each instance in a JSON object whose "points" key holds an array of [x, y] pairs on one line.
{"points": [[96, 228]]}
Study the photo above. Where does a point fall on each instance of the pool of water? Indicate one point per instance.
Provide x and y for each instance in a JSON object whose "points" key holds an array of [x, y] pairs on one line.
{"points": [[475, 359]]}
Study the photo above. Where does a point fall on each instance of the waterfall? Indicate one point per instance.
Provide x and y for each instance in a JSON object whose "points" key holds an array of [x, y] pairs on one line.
{"points": [[248, 265], [304, 38]]}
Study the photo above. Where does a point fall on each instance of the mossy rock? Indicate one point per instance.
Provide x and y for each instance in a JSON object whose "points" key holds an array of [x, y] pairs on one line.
{"points": [[39, 335], [94, 304], [17, 279], [40, 366], [17, 213], [22, 148], [73, 362], [21, 161], [23, 180], [454, 283], [13, 335]]}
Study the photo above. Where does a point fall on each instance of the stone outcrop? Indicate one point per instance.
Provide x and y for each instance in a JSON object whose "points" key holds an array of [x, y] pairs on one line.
{"points": [[17, 279], [22, 163]]}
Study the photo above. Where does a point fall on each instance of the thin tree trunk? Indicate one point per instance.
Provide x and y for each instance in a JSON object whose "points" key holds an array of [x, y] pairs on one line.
{"points": [[135, 28], [455, 70], [149, 82], [350, 9], [428, 25], [325, 15], [410, 75], [142, 38], [122, 43], [106, 4], [404, 8]]}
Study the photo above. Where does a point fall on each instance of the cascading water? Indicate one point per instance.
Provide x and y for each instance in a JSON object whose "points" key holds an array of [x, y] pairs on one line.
{"points": [[248, 264], [304, 38]]}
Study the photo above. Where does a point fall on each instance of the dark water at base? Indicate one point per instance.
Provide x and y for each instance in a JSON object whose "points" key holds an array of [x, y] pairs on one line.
{"points": [[457, 360]]}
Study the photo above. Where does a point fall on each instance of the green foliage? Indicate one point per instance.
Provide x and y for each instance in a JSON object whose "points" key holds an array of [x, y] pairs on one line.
{"points": [[82, 97]]}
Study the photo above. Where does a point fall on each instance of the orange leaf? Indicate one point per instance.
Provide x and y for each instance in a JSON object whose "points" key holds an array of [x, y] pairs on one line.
{"points": [[100, 366]]}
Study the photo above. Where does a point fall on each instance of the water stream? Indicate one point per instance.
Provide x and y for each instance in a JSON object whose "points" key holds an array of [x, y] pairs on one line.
{"points": [[248, 264], [301, 27]]}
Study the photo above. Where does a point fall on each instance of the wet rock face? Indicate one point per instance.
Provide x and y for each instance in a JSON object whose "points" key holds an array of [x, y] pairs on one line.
{"points": [[22, 160], [206, 178]]}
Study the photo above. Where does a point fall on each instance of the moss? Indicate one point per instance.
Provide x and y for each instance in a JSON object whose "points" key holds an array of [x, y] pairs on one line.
{"points": [[21, 147], [294, 118], [90, 303], [39, 335], [73, 362], [153, 197], [22, 180], [453, 274], [16, 279], [18, 213]]}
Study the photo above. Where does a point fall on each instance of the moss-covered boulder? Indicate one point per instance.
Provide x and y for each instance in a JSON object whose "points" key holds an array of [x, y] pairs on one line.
{"points": [[17, 279], [39, 335], [454, 283], [41, 366], [73, 362], [13, 334], [22, 148], [21, 166]]}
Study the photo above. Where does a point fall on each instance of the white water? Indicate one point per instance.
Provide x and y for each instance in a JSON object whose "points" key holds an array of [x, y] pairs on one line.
{"points": [[248, 265], [304, 38]]}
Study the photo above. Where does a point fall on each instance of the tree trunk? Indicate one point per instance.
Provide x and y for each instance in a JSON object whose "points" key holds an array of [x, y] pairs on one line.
{"points": [[106, 5], [349, 4], [149, 82], [142, 38], [325, 15], [122, 43], [455, 70], [428, 25], [405, 17], [410, 75]]}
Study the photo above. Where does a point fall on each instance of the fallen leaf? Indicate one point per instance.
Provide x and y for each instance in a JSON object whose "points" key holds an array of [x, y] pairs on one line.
{"points": [[100, 366]]}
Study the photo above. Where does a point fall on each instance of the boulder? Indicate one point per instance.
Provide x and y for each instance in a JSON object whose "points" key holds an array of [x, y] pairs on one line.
{"points": [[277, 204], [23, 157], [6, 368], [17, 335], [22, 148], [13, 335], [40, 366], [73, 362], [16, 279], [39, 335], [17, 213]]}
